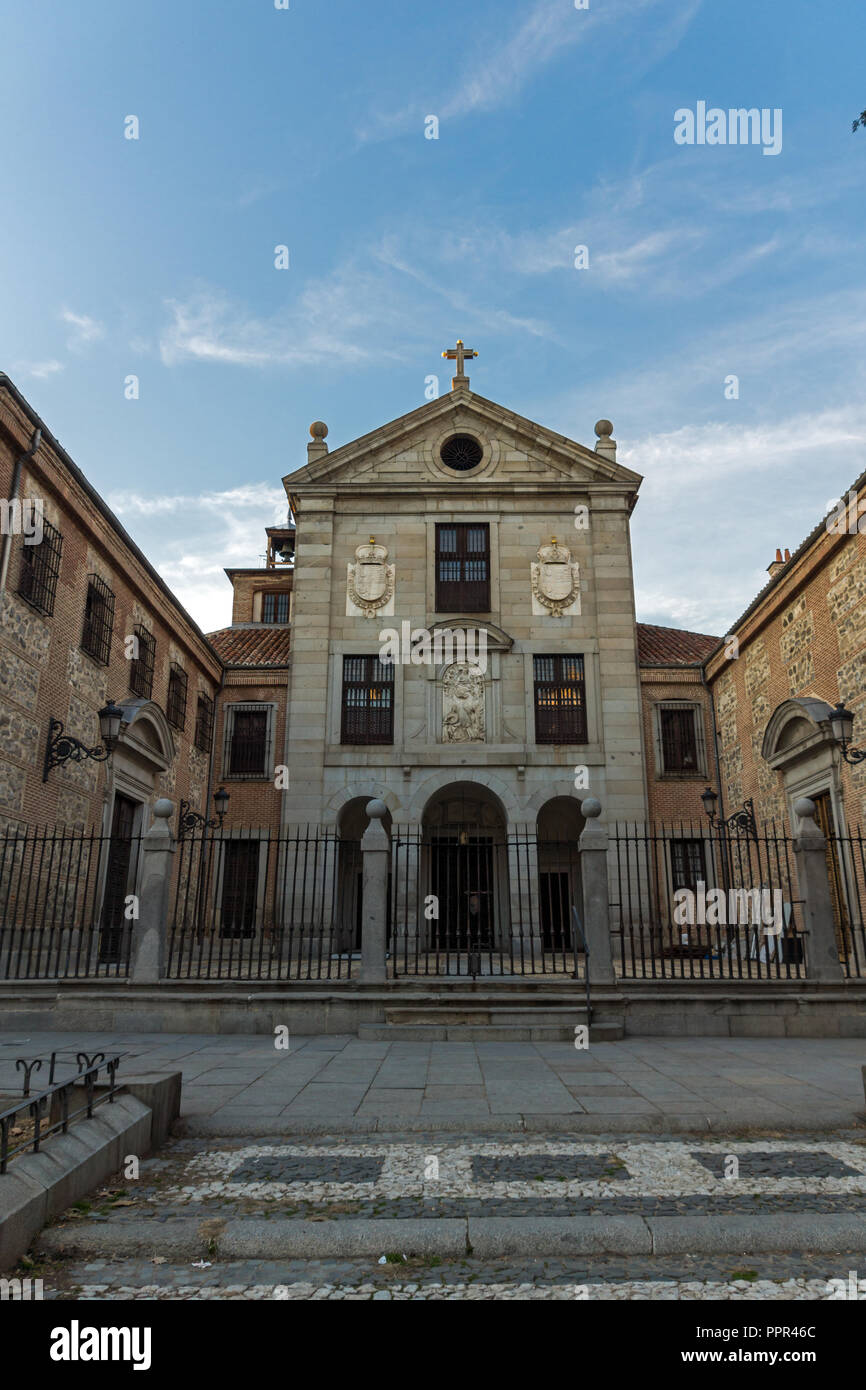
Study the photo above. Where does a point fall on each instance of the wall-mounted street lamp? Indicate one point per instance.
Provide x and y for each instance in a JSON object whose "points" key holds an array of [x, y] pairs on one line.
{"points": [[842, 724], [188, 819], [63, 748], [742, 820]]}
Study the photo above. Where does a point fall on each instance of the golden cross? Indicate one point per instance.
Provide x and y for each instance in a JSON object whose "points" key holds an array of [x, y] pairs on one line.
{"points": [[458, 354]]}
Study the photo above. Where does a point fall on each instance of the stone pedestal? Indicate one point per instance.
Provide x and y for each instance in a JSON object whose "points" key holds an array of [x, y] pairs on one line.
{"points": [[810, 854], [147, 964], [376, 854], [596, 899]]}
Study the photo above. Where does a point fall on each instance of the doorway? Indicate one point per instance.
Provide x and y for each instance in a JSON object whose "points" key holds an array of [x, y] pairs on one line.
{"points": [[462, 882], [240, 883], [119, 873]]}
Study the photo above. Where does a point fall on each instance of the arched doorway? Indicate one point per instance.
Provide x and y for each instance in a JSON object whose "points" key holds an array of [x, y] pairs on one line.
{"points": [[558, 830], [464, 865], [144, 750], [351, 824]]}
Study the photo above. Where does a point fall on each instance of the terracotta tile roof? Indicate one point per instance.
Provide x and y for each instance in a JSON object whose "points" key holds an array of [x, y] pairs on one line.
{"points": [[252, 646], [672, 646]]}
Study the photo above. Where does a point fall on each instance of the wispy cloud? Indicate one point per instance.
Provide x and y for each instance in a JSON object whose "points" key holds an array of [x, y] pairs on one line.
{"points": [[40, 370], [84, 329], [500, 68], [189, 537]]}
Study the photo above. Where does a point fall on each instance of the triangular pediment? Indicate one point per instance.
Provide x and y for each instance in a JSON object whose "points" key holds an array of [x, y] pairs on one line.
{"points": [[404, 455]]}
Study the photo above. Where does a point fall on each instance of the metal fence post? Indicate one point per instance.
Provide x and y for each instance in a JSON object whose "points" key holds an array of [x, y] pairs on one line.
{"points": [[596, 897], [376, 855], [150, 927], [810, 854]]}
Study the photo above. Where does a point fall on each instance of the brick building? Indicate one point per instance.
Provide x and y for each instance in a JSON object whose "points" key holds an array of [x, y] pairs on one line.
{"points": [[87, 619]]}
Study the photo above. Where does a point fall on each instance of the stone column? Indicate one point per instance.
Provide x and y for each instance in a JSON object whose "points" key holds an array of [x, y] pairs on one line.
{"points": [[149, 930], [596, 900], [810, 854], [376, 854]]}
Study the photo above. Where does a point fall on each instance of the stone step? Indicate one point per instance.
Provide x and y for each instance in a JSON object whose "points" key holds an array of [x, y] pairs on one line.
{"points": [[528, 1031]]}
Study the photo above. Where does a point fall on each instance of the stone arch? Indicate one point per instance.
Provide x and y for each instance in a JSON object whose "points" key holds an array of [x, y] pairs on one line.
{"points": [[796, 729], [146, 732], [560, 789], [354, 791], [447, 776]]}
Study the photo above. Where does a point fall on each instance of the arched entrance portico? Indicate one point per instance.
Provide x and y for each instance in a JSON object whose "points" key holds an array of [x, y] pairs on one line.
{"points": [[463, 865]]}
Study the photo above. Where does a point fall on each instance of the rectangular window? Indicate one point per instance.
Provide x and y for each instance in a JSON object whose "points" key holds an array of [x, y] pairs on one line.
{"points": [[175, 710], [40, 566], [560, 699], [248, 741], [688, 866], [98, 620], [463, 568], [275, 608], [679, 739], [141, 669], [368, 701], [204, 724]]}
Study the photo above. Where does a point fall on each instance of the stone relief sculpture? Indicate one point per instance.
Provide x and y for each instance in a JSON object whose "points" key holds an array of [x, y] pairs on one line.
{"points": [[555, 581], [462, 704], [370, 583]]}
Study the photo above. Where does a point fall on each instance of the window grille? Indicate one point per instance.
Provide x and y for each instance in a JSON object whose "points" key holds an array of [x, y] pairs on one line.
{"points": [[40, 566], [141, 672], [248, 741], [176, 703], [463, 568], [204, 724], [98, 620], [368, 701], [560, 699]]}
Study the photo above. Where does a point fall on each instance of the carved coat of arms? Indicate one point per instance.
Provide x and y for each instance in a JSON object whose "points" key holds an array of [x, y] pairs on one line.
{"points": [[555, 581], [463, 704], [370, 583]]}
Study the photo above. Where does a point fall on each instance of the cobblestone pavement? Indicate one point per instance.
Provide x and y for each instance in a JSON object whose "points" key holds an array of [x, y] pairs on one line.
{"points": [[429, 1177], [790, 1277], [330, 1180]]}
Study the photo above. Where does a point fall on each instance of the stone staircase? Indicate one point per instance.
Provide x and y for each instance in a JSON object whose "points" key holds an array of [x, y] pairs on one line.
{"points": [[479, 1012]]}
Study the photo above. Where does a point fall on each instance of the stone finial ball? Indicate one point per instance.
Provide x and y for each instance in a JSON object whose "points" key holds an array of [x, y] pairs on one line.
{"points": [[163, 808], [319, 430], [376, 809], [590, 808], [604, 429], [804, 807]]}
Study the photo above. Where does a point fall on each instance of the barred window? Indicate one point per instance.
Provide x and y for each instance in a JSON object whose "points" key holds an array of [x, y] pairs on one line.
{"points": [[141, 673], [248, 740], [463, 569], [560, 699], [204, 724], [40, 566], [680, 739], [98, 620], [688, 866], [176, 703], [368, 700], [275, 608]]}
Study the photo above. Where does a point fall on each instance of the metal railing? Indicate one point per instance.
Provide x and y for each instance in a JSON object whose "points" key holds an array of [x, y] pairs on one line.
{"points": [[36, 1117], [693, 901], [846, 862], [465, 901], [63, 903], [260, 905]]}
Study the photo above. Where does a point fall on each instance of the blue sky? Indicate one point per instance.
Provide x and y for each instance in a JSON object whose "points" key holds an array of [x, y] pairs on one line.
{"points": [[306, 128]]}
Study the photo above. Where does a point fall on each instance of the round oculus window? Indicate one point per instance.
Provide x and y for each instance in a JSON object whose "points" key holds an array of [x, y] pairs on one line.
{"points": [[461, 452]]}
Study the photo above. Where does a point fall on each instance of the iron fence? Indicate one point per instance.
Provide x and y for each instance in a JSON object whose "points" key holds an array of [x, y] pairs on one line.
{"points": [[468, 902], [846, 863], [33, 1118], [693, 901], [255, 905], [64, 906]]}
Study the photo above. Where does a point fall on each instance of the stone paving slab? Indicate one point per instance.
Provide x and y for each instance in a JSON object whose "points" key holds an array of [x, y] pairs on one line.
{"points": [[789, 1084]]}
